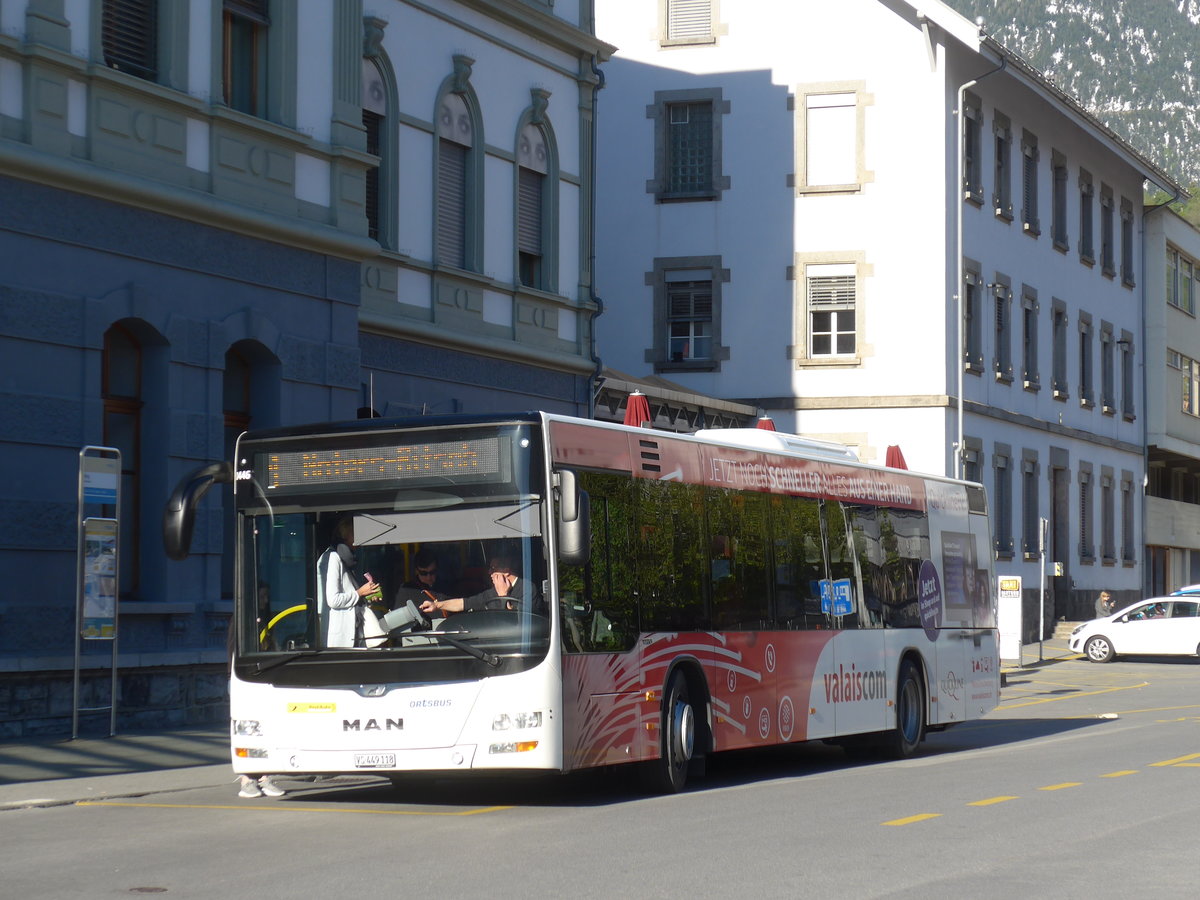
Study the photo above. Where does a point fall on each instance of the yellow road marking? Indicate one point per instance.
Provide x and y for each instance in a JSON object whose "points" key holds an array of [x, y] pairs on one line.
{"points": [[1059, 787], [1119, 773], [921, 818], [1177, 760], [1060, 697], [274, 807], [990, 800]]}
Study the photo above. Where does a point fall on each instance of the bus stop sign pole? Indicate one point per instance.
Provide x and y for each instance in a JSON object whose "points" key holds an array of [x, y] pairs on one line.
{"points": [[97, 567]]}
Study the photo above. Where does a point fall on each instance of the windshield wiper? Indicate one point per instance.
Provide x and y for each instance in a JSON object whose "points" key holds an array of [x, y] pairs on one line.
{"points": [[490, 658], [261, 667]]}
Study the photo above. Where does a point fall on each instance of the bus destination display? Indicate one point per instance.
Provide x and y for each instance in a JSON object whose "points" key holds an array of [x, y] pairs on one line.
{"points": [[474, 460]]}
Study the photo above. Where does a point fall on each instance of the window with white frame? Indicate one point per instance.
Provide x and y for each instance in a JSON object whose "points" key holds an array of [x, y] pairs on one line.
{"points": [[687, 314], [1189, 381], [1181, 281], [689, 318], [830, 152], [685, 22], [1087, 228], [831, 291], [1002, 166]]}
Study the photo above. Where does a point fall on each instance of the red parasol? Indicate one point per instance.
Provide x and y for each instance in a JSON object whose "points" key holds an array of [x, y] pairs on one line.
{"points": [[895, 459], [766, 423], [637, 410]]}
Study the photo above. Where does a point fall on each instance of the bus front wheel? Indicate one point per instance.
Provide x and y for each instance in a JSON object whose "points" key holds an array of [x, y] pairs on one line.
{"points": [[903, 740], [668, 773]]}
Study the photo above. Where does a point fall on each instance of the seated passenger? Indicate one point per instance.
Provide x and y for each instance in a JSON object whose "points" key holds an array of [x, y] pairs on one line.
{"points": [[508, 591], [426, 586]]}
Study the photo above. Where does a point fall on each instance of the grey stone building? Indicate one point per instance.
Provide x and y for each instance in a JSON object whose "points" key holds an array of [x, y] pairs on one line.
{"points": [[226, 214]]}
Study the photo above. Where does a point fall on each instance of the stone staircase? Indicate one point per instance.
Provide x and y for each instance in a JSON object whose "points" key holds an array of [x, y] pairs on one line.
{"points": [[1062, 630]]}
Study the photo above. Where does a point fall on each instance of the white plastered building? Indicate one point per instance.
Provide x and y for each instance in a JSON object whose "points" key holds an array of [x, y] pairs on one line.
{"points": [[781, 189]]}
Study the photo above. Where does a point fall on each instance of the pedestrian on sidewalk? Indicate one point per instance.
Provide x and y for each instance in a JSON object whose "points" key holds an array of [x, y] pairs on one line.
{"points": [[1105, 605], [250, 785]]}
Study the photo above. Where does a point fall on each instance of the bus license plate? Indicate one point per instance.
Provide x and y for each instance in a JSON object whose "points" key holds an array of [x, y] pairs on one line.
{"points": [[374, 760]]}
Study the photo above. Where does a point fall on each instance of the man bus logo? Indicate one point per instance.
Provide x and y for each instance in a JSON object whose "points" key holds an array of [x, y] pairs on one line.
{"points": [[372, 725]]}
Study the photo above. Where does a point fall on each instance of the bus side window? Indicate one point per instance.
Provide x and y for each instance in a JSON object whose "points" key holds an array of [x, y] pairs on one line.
{"points": [[599, 604], [671, 559], [737, 559], [799, 568]]}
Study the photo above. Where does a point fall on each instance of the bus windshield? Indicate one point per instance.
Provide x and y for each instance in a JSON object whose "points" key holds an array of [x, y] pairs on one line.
{"points": [[448, 583]]}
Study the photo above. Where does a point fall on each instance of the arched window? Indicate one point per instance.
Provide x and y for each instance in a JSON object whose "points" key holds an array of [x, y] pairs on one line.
{"points": [[536, 198], [458, 173], [455, 142], [121, 386], [374, 117], [531, 190], [250, 399]]}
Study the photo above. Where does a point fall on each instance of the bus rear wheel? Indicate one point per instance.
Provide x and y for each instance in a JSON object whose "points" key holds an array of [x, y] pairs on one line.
{"points": [[902, 741], [668, 774]]}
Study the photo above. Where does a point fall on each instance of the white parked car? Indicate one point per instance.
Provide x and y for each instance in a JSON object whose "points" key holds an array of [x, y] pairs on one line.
{"points": [[1167, 626]]}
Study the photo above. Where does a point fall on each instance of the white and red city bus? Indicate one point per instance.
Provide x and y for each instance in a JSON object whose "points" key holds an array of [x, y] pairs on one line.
{"points": [[682, 595]]}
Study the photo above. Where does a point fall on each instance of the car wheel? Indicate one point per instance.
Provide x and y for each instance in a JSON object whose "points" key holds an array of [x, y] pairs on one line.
{"points": [[1099, 649]]}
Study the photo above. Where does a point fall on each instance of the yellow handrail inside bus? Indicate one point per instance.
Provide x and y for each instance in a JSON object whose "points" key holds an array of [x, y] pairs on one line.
{"points": [[262, 636]]}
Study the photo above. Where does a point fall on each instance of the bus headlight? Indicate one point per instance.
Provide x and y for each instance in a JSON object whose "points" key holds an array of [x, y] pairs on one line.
{"points": [[247, 727], [506, 721]]}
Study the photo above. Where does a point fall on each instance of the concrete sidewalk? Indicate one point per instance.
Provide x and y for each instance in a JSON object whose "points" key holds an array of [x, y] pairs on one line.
{"points": [[58, 771], [55, 772]]}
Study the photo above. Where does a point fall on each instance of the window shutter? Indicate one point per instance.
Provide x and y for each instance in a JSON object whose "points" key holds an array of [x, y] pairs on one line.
{"points": [[129, 36], [452, 203], [831, 292], [689, 19], [372, 123], [529, 212]]}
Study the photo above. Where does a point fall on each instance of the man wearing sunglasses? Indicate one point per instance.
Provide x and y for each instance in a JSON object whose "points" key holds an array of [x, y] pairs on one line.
{"points": [[425, 586]]}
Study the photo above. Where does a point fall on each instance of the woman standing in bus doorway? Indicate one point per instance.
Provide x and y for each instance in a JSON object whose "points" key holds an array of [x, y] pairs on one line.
{"points": [[343, 593]]}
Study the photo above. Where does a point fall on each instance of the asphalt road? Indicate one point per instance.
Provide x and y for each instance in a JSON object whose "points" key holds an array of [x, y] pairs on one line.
{"points": [[1083, 783]]}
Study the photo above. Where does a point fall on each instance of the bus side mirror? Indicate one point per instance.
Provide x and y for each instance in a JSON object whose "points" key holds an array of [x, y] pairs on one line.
{"points": [[179, 518], [574, 520]]}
